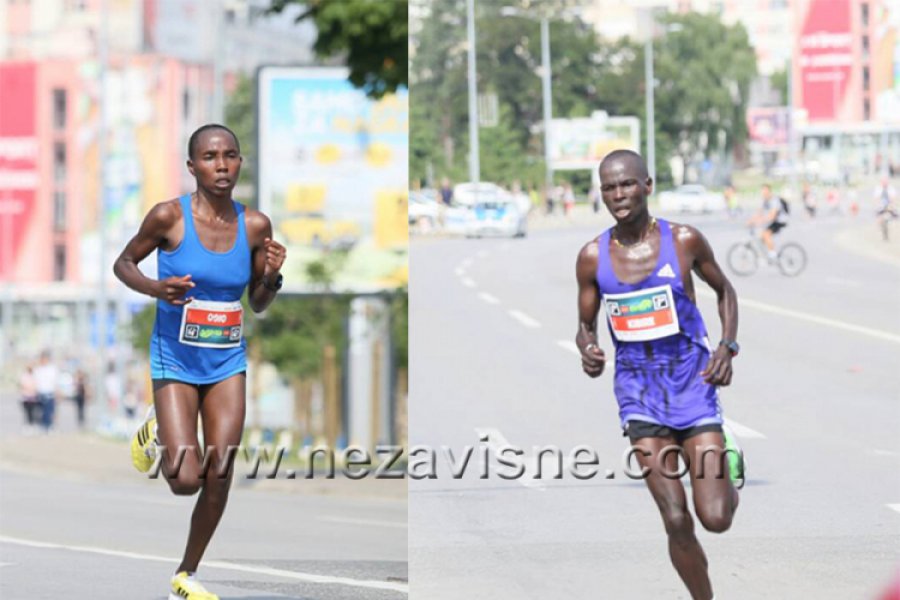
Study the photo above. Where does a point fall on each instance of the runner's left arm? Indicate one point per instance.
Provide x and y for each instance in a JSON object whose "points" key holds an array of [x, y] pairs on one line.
{"points": [[266, 260], [718, 371], [593, 359]]}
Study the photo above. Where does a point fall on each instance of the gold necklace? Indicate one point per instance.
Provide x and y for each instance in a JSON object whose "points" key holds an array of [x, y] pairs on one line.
{"points": [[615, 236]]}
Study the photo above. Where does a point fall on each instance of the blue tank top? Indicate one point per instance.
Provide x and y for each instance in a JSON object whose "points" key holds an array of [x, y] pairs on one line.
{"points": [[219, 277], [660, 340]]}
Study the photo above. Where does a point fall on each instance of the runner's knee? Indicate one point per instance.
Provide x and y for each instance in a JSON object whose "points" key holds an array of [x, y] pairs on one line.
{"points": [[677, 519], [184, 485], [715, 519]]}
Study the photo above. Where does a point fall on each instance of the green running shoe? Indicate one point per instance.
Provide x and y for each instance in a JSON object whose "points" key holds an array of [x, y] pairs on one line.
{"points": [[736, 463]]}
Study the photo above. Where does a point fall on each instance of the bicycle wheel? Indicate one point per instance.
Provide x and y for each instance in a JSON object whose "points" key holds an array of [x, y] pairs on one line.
{"points": [[743, 259], [791, 259]]}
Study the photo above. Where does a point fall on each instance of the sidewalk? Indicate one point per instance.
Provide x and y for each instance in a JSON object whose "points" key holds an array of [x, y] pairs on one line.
{"points": [[87, 456], [865, 240]]}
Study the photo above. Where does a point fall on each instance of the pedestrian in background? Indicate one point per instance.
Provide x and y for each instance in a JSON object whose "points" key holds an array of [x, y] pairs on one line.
{"points": [[46, 381], [80, 396], [28, 396]]}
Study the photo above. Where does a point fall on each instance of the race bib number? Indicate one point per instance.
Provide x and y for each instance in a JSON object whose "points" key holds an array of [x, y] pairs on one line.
{"points": [[643, 315], [211, 324]]}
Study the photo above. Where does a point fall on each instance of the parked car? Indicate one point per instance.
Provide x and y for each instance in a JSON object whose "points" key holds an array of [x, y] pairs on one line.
{"points": [[467, 194], [691, 198], [498, 215], [423, 208]]}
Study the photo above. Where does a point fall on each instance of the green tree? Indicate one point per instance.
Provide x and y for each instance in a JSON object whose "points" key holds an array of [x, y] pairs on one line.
{"points": [[779, 82], [240, 116], [704, 71], [370, 35]]}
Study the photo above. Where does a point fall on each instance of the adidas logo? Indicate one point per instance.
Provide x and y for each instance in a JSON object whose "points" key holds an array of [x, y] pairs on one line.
{"points": [[666, 271]]}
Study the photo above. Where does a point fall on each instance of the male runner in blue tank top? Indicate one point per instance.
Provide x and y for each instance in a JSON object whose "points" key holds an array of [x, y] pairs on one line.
{"points": [[666, 374], [209, 249]]}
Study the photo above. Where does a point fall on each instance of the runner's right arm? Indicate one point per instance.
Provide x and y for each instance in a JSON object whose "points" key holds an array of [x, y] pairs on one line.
{"points": [[153, 233], [593, 358]]}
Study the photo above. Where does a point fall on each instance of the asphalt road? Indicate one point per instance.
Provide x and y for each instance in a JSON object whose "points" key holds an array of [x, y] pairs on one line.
{"points": [[815, 401], [100, 534]]}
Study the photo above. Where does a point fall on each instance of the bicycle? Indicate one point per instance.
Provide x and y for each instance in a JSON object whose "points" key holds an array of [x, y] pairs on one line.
{"points": [[745, 257]]}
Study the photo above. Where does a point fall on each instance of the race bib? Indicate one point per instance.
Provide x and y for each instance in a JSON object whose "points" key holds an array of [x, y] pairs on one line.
{"points": [[211, 324], [643, 315]]}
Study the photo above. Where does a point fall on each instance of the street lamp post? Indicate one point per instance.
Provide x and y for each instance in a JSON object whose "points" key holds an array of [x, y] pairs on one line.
{"points": [[651, 126], [650, 84], [474, 167], [548, 107], [547, 97]]}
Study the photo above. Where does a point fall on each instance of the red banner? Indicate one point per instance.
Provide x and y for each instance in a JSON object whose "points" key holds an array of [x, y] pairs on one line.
{"points": [[18, 159], [826, 57]]}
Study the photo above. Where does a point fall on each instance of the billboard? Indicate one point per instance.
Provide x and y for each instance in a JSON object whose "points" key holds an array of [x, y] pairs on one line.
{"points": [[826, 57], [18, 160], [769, 126], [581, 143], [332, 178]]}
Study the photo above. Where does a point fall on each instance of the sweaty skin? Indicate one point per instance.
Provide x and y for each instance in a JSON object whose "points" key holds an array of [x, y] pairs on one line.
{"points": [[625, 189], [215, 162], [634, 248]]}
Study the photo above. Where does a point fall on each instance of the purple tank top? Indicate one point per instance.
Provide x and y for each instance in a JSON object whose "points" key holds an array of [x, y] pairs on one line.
{"points": [[660, 340]]}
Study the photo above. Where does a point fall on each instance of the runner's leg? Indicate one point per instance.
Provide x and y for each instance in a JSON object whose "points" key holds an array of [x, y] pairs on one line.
{"points": [[223, 408], [715, 499], [176, 415], [684, 549]]}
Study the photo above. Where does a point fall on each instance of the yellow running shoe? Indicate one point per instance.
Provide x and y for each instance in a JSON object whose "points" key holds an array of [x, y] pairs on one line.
{"points": [[144, 444], [185, 587]]}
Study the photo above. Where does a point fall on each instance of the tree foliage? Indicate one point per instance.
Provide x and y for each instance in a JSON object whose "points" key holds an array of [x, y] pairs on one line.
{"points": [[703, 75], [240, 116], [371, 36]]}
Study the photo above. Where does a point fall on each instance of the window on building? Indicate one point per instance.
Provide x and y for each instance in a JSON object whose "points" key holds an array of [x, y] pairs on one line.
{"points": [[59, 162], [186, 104], [59, 262], [865, 46], [864, 14], [59, 109], [865, 78], [867, 110], [59, 210]]}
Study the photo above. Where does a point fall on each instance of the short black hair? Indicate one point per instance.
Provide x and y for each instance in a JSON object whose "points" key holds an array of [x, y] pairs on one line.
{"points": [[627, 154], [192, 142]]}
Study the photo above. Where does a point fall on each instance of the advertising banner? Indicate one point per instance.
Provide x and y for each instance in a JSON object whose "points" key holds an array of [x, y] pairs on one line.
{"points": [[577, 144], [18, 160], [826, 57], [332, 177], [769, 126]]}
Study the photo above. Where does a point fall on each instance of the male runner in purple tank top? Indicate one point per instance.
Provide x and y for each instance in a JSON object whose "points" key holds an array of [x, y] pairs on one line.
{"points": [[666, 375]]}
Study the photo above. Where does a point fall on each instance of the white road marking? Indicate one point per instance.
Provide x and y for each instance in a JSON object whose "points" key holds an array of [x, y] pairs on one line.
{"points": [[524, 319], [373, 522], [894, 507], [468, 282], [218, 564], [880, 452], [488, 298], [7, 564], [459, 271], [744, 432], [570, 346], [496, 442], [842, 281], [819, 320], [466, 263]]}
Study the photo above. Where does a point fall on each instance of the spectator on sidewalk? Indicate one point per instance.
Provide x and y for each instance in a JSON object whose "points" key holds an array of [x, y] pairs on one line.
{"points": [[568, 198], [80, 395], [28, 396], [46, 381], [446, 192]]}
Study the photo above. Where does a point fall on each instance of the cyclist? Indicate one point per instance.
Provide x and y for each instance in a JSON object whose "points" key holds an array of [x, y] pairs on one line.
{"points": [[772, 215], [666, 374], [886, 196]]}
